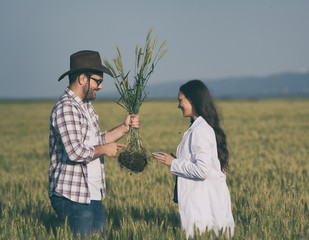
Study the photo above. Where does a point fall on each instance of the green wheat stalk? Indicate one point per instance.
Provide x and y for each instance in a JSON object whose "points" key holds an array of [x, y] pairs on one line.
{"points": [[132, 96]]}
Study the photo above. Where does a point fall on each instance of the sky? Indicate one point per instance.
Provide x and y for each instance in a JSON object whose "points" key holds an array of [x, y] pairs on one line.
{"points": [[206, 39]]}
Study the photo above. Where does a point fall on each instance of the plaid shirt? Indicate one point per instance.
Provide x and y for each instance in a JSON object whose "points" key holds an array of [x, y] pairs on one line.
{"points": [[69, 155]]}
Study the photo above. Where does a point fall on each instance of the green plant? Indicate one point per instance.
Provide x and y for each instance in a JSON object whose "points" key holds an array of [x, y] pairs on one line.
{"points": [[133, 96]]}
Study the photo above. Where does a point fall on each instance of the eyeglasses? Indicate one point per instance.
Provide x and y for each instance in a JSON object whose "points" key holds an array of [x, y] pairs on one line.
{"points": [[98, 81]]}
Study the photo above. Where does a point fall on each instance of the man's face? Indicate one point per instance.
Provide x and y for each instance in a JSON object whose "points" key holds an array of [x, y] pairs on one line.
{"points": [[94, 86]]}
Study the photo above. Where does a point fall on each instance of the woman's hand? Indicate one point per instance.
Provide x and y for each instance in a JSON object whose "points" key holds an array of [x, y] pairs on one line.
{"points": [[164, 158]]}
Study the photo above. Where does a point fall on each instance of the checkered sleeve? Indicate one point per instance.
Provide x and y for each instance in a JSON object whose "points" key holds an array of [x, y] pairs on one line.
{"points": [[102, 135], [69, 124]]}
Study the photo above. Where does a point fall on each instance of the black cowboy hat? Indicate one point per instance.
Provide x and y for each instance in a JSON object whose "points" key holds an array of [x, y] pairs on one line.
{"points": [[84, 61]]}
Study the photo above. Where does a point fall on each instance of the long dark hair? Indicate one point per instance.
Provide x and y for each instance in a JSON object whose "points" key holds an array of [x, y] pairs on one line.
{"points": [[198, 95]]}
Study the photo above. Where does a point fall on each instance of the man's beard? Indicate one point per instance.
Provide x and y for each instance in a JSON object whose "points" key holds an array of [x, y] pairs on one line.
{"points": [[91, 95]]}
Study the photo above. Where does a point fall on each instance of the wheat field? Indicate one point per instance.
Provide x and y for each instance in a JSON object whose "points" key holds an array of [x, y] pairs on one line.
{"points": [[268, 180]]}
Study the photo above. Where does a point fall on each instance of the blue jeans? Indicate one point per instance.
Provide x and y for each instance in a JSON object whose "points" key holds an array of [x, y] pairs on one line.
{"points": [[82, 218]]}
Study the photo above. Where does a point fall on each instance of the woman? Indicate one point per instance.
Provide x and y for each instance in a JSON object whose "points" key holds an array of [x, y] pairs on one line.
{"points": [[200, 165]]}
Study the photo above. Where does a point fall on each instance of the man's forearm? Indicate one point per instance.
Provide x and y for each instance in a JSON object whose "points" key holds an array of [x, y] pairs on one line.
{"points": [[98, 151], [116, 133]]}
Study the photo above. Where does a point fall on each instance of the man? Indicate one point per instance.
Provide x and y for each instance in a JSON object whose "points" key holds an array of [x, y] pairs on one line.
{"points": [[77, 147]]}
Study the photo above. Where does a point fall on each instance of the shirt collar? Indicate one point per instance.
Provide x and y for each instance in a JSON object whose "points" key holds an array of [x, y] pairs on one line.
{"points": [[77, 99], [197, 121]]}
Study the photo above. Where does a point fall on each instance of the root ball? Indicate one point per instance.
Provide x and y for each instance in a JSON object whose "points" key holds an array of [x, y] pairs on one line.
{"points": [[135, 161]]}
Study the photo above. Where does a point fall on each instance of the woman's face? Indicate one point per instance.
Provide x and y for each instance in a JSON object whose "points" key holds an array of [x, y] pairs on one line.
{"points": [[185, 106]]}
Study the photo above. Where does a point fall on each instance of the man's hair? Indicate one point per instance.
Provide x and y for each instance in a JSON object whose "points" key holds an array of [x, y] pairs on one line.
{"points": [[73, 77]]}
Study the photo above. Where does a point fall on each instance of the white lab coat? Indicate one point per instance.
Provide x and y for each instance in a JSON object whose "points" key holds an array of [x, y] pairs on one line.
{"points": [[203, 196]]}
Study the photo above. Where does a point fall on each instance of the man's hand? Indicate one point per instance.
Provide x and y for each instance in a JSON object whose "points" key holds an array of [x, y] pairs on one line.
{"points": [[108, 149], [133, 121], [116, 133]]}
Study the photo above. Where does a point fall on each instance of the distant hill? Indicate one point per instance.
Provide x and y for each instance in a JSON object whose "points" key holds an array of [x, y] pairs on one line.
{"points": [[273, 86]]}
